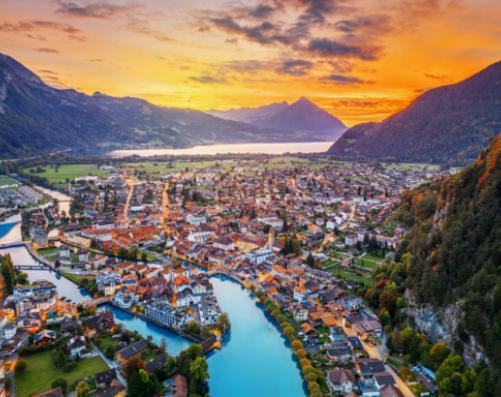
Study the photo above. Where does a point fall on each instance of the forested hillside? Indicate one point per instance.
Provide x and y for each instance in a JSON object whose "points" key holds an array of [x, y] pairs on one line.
{"points": [[450, 264]]}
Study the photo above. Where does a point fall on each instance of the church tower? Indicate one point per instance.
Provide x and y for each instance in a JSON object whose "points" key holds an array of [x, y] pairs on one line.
{"points": [[271, 238]]}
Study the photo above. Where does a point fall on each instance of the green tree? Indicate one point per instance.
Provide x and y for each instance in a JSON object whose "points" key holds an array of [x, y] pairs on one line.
{"points": [[62, 383]]}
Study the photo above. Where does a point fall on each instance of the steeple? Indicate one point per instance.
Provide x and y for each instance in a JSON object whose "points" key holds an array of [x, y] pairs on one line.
{"points": [[271, 238]]}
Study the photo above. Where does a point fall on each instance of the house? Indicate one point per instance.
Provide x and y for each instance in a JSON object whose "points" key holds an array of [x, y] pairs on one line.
{"points": [[337, 334], [177, 386], [340, 381], [339, 353], [391, 391], [68, 327], [356, 345], [300, 293], [125, 355], [56, 392], [43, 337], [77, 347], [383, 379], [116, 390], [99, 323], [368, 367], [104, 379], [368, 328]]}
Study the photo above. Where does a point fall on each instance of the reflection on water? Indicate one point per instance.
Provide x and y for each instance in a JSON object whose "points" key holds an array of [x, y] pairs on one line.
{"points": [[243, 148], [175, 343]]}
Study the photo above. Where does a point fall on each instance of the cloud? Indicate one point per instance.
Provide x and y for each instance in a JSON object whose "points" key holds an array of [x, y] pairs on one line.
{"points": [[296, 67], [261, 11], [375, 24], [208, 79], [47, 50], [305, 27], [439, 77], [31, 29], [263, 33], [97, 9], [344, 80], [331, 48], [142, 26]]}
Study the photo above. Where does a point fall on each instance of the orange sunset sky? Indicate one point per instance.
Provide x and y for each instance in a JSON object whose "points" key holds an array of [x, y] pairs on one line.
{"points": [[361, 60]]}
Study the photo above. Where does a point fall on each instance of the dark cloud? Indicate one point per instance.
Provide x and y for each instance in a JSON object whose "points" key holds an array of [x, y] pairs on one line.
{"points": [[377, 23], [209, 79], [296, 67], [31, 28], [97, 9], [331, 48], [357, 36], [261, 11], [345, 80], [263, 33], [47, 50]]}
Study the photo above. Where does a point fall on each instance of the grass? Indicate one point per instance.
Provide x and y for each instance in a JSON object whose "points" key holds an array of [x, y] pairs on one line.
{"points": [[40, 373], [47, 251], [77, 279], [67, 171], [346, 275], [160, 167], [6, 181]]}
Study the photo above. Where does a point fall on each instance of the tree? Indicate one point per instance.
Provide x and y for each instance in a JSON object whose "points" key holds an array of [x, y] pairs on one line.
{"points": [[21, 367], [198, 375], [437, 354], [223, 323], [310, 260], [62, 383], [7, 271], [82, 389]]}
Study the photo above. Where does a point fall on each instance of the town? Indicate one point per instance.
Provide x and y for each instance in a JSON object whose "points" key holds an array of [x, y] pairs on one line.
{"points": [[148, 238]]}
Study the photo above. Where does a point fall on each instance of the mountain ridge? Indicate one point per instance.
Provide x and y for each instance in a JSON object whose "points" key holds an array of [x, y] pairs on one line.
{"points": [[447, 124], [301, 115], [36, 117]]}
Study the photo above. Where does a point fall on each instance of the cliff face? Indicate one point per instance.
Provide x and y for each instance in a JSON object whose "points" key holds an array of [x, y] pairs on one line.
{"points": [[453, 257]]}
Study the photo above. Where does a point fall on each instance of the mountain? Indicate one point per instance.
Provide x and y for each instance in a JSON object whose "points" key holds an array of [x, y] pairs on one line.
{"points": [[449, 124], [451, 259], [302, 115], [36, 118]]}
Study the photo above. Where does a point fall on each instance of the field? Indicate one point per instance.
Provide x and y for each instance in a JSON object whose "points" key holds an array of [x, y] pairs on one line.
{"points": [[159, 167], [369, 261], [6, 181], [67, 171], [40, 373], [348, 275]]}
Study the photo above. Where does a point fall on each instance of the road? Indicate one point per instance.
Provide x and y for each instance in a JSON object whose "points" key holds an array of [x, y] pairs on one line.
{"points": [[111, 364], [380, 352]]}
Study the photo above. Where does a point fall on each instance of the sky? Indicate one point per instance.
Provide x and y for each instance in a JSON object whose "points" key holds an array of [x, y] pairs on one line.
{"points": [[361, 60]]}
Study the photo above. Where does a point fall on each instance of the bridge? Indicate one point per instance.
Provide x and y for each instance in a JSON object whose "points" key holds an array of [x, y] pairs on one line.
{"points": [[96, 302], [15, 244], [32, 267]]}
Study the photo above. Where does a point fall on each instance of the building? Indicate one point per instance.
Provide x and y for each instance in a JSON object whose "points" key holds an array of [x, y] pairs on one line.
{"points": [[341, 381]]}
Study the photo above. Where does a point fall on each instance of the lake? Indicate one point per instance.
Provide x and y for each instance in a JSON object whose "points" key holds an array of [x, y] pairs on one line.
{"points": [[240, 148]]}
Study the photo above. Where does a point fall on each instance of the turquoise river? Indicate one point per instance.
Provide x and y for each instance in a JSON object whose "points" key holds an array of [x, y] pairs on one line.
{"points": [[255, 361]]}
